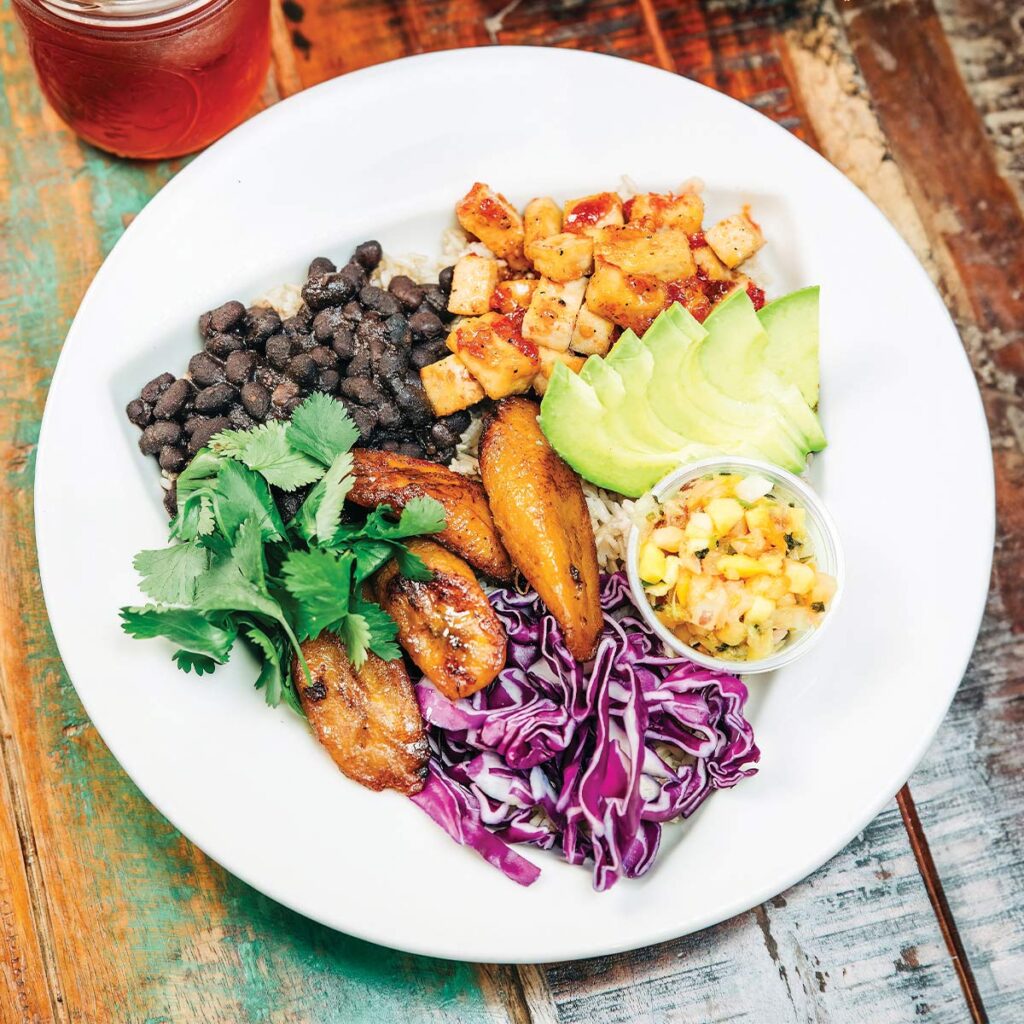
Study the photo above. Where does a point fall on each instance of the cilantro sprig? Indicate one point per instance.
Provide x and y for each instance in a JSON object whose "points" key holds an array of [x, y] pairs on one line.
{"points": [[234, 570]]}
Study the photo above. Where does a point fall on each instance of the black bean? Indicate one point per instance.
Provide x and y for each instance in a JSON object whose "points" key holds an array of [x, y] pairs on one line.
{"points": [[267, 377], [406, 290], [436, 300], [284, 393], [240, 419], [324, 357], [388, 414], [289, 502], [352, 312], [411, 449], [412, 399], [139, 412], [371, 330], [328, 381], [344, 343], [261, 323], [390, 362], [279, 351], [365, 421], [240, 367], [306, 342], [172, 402], [321, 265], [387, 444], [204, 431], [300, 320], [192, 423], [443, 435], [360, 365], [156, 387], [428, 352], [158, 434], [444, 456], [326, 290], [205, 330], [255, 400], [368, 254], [379, 300], [326, 322], [222, 345], [444, 279], [302, 369], [227, 316], [205, 370], [458, 422], [398, 332], [361, 390], [215, 398], [172, 458], [426, 323], [354, 275], [171, 499]]}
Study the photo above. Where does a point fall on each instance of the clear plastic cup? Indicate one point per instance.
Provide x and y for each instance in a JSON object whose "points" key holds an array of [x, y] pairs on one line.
{"points": [[821, 534]]}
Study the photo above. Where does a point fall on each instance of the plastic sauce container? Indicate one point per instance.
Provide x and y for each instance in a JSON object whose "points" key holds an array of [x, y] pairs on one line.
{"points": [[149, 78], [823, 540]]}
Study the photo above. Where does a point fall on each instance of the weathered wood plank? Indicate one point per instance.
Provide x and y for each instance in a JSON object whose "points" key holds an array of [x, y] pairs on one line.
{"points": [[141, 926], [854, 942]]}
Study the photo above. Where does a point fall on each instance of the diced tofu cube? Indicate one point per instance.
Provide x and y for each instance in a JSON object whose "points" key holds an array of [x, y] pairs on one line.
{"points": [[450, 386], [735, 239], [495, 221], [663, 254], [657, 210], [563, 257], [541, 219], [714, 269], [548, 358], [552, 314], [586, 215], [627, 300], [513, 294], [592, 334], [491, 347], [473, 282]]}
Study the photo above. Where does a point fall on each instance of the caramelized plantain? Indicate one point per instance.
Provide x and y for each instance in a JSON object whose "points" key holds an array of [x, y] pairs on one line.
{"points": [[446, 625], [388, 478], [368, 720], [541, 515]]}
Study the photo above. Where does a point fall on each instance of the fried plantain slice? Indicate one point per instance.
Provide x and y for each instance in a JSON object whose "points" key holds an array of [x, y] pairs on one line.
{"points": [[446, 625], [387, 478], [541, 515], [368, 720]]}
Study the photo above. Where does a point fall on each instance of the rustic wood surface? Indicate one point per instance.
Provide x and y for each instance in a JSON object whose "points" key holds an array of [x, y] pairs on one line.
{"points": [[108, 915]]}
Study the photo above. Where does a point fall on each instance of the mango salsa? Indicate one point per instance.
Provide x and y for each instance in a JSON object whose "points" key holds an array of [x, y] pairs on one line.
{"points": [[728, 567]]}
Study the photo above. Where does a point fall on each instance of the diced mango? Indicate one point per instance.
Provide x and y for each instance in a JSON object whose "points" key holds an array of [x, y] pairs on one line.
{"points": [[651, 565], [800, 576], [758, 518], [725, 513], [700, 525], [759, 612], [683, 587], [741, 567], [668, 538], [732, 633]]}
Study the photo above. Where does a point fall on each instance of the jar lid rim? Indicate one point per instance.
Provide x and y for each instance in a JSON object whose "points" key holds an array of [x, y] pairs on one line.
{"points": [[136, 11]]}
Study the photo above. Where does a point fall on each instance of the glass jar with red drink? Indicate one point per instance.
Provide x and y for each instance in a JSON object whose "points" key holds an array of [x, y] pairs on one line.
{"points": [[149, 78]]}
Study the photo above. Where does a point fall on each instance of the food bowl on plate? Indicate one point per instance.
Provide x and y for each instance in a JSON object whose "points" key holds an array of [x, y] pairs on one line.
{"points": [[774, 578]]}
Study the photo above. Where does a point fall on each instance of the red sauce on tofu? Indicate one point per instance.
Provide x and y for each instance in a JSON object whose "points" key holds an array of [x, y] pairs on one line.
{"points": [[588, 212], [504, 298], [698, 241], [714, 290], [510, 328], [627, 208], [756, 294], [690, 294], [492, 210]]}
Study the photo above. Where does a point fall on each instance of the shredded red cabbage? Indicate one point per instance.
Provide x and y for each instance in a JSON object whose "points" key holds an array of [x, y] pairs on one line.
{"points": [[589, 759]]}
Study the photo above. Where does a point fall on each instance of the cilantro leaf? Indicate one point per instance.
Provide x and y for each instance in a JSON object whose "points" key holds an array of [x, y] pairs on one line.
{"points": [[370, 556], [320, 581], [248, 553], [241, 494], [320, 514], [169, 574], [420, 516], [266, 450], [195, 497], [189, 661], [271, 679], [411, 565], [355, 633], [191, 629], [383, 630], [322, 428]]}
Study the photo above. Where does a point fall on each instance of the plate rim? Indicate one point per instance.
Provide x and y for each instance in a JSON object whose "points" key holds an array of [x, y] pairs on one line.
{"points": [[290, 107]]}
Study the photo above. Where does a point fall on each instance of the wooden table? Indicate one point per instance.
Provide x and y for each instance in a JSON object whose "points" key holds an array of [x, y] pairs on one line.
{"points": [[107, 914]]}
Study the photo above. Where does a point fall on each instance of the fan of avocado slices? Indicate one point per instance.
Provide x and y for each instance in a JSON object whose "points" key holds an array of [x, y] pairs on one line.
{"points": [[742, 383]]}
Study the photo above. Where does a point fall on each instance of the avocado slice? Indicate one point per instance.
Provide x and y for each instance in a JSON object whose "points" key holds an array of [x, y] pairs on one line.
{"points": [[587, 436], [684, 398], [733, 358], [791, 323]]}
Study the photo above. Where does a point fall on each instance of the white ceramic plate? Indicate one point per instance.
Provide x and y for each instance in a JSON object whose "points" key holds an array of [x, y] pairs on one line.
{"points": [[907, 476]]}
